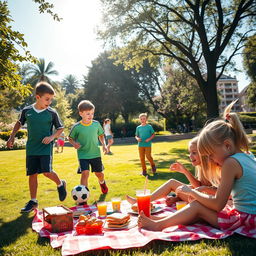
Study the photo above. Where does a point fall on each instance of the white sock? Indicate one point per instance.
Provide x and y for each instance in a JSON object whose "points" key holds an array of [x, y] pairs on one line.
{"points": [[34, 200], [102, 182]]}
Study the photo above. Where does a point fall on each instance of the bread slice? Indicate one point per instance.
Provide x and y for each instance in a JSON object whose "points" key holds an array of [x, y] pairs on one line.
{"points": [[118, 220]]}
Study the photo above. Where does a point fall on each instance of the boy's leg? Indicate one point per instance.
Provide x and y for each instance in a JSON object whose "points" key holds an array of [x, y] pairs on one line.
{"points": [[46, 169], [32, 165], [84, 166], [33, 184], [142, 160], [150, 158], [97, 168], [84, 177]]}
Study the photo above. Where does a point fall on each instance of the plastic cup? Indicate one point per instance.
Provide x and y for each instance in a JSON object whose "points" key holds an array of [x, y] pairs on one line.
{"points": [[180, 204], [102, 209], [143, 200], [116, 204]]}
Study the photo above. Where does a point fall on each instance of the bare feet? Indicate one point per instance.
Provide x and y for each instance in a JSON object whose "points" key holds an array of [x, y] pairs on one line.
{"points": [[131, 200], [171, 200], [147, 223]]}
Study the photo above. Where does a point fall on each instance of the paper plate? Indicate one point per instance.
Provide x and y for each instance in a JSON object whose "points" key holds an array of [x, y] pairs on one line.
{"points": [[131, 224], [155, 210]]}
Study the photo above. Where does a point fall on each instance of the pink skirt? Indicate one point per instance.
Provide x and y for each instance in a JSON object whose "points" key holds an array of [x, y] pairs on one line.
{"points": [[230, 219]]}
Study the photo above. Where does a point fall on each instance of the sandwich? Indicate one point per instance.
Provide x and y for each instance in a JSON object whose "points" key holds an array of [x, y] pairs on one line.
{"points": [[134, 207], [118, 220]]}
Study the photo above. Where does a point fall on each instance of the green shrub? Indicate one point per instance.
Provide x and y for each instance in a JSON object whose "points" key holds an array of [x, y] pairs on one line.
{"points": [[21, 134], [129, 129]]}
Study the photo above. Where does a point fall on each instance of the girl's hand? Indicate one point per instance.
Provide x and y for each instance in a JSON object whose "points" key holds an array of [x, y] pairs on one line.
{"points": [[139, 139], [105, 149], [178, 167], [183, 189], [48, 140]]}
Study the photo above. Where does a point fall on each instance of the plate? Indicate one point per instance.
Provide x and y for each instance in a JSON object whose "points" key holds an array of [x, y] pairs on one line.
{"points": [[155, 210], [131, 224]]}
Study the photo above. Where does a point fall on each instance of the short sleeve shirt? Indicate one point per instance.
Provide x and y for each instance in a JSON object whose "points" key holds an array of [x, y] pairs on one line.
{"points": [[144, 132], [88, 137], [40, 124]]}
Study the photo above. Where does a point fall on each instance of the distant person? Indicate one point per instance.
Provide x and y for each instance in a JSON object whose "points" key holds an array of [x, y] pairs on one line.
{"points": [[84, 136], [60, 143], [144, 135], [40, 119], [108, 134]]}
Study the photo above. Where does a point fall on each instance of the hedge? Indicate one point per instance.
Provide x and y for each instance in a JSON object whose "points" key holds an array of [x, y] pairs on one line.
{"points": [[129, 129], [21, 134], [18, 144]]}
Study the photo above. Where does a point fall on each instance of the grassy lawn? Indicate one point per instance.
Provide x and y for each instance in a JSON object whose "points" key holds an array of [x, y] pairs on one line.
{"points": [[122, 174]]}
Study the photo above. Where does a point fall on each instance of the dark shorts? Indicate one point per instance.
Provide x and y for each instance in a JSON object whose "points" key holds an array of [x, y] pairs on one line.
{"points": [[38, 164], [95, 163], [108, 137]]}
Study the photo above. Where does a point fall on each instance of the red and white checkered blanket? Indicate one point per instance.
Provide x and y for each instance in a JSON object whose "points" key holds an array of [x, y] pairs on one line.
{"points": [[120, 239]]}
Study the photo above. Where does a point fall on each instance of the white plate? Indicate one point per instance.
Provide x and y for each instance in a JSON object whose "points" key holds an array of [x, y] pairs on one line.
{"points": [[155, 210], [131, 224]]}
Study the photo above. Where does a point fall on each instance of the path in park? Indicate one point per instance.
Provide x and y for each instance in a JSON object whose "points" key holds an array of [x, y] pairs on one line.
{"points": [[161, 138]]}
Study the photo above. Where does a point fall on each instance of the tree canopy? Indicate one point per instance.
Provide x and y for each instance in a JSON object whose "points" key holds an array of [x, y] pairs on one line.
{"points": [[202, 36]]}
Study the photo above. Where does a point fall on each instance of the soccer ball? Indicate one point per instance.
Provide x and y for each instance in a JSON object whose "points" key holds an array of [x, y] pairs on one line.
{"points": [[80, 194]]}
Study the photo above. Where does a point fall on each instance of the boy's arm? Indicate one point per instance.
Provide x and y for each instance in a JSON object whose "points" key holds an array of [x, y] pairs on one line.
{"points": [[49, 139], [12, 136], [137, 138], [75, 144], [150, 138], [102, 141]]}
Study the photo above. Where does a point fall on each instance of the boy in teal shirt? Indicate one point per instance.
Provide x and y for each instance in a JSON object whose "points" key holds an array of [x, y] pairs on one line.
{"points": [[84, 136], [144, 135], [40, 119]]}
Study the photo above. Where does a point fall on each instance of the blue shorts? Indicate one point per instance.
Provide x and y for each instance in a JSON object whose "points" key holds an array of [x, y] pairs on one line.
{"points": [[95, 163], [38, 164], [108, 137]]}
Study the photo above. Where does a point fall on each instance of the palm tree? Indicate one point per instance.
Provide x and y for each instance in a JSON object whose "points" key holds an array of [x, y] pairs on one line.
{"points": [[41, 72], [70, 83]]}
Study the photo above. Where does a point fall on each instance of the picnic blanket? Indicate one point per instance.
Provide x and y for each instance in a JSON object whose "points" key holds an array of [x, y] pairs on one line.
{"points": [[72, 243]]}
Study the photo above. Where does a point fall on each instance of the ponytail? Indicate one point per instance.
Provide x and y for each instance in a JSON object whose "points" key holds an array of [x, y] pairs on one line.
{"points": [[240, 139]]}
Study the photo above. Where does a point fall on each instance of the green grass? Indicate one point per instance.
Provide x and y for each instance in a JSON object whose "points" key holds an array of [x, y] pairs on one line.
{"points": [[122, 174]]}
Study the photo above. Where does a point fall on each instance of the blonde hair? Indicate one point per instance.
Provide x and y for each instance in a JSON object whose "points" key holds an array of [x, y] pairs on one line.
{"points": [[198, 169], [143, 114], [214, 134]]}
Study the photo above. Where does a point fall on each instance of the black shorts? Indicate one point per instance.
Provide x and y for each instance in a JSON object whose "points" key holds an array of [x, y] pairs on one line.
{"points": [[95, 163], [38, 164]]}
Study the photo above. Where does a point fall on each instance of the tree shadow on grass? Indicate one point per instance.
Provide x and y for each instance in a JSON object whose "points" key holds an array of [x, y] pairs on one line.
{"points": [[11, 231]]}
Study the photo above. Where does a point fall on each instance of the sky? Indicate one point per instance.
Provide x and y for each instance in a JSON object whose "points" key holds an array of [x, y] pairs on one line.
{"points": [[70, 44]]}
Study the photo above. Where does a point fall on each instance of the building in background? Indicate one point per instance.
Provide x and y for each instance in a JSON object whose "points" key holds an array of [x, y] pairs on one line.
{"points": [[227, 88], [242, 99]]}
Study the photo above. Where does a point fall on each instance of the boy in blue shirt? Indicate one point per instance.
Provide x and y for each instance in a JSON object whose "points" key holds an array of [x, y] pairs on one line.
{"points": [[40, 119], [144, 135]]}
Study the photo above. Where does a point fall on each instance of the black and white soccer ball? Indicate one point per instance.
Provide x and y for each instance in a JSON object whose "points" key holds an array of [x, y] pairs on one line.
{"points": [[80, 194]]}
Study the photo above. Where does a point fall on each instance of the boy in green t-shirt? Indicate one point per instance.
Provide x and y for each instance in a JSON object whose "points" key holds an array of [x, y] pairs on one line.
{"points": [[84, 136], [144, 135], [40, 119]]}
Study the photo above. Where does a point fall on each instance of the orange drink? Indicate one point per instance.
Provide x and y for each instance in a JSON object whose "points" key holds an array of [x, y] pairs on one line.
{"points": [[143, 200], [102, 209], [116, 204], [180, 204]]}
